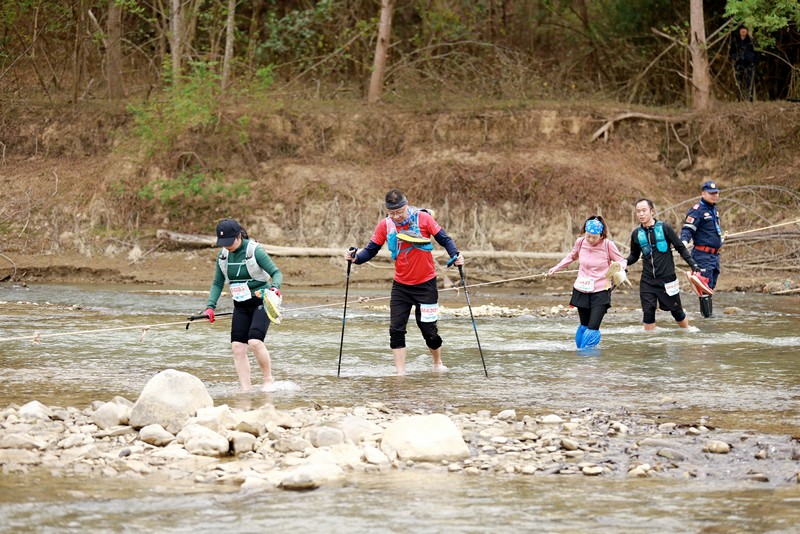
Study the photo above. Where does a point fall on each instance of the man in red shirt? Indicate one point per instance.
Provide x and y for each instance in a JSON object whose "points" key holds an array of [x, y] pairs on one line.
{"points": [[407, 233]]}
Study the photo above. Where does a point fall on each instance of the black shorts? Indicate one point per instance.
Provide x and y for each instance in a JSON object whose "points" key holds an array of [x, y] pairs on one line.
{"points": [[652, 294], [249, 321], [590, 300]]}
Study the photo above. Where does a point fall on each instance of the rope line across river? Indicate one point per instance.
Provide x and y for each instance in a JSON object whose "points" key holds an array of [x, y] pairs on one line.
{"points": [[37, 337]]}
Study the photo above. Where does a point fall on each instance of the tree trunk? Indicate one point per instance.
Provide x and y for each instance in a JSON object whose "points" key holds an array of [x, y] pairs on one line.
{"points": [[116, 88], [80, 30], [176, 39], [381, 51], [701, 78], [161, 24], [255, 25], [226, 64], [593, 59], [216, 34], [190, 14]]}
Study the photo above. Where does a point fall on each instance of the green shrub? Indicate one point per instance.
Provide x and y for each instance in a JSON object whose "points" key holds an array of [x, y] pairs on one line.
{"points": [[193, 103], [192, 193]]}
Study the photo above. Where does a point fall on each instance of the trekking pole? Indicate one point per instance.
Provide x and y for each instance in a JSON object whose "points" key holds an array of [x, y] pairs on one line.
{"points": [[344, 312], [474, 327], [204, 316]]}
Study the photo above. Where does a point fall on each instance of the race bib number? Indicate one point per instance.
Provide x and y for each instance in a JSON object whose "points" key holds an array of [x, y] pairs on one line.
{"points": [[672, 288], [240, 292], [429, 313], [584, 284]]}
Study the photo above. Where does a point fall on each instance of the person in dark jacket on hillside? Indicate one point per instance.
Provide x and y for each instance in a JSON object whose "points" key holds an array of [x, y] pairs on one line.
{"points": [[654, 240], [744, 56]]}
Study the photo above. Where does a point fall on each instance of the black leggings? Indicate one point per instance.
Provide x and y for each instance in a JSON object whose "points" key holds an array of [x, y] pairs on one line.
{"points": [[592, 307], [592, 317], [403, 298]]}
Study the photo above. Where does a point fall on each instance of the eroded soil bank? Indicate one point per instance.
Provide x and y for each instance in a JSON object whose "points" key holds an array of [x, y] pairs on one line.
{"points": [[84, 195]]}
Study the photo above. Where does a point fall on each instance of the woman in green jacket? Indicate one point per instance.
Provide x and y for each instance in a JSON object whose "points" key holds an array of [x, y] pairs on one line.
{"points": [[253, 280]]}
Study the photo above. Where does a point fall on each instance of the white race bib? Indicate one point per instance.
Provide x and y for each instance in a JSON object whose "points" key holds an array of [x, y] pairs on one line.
{"points": [[429, 313], [240, 292], [584, 284], [672, 288]]}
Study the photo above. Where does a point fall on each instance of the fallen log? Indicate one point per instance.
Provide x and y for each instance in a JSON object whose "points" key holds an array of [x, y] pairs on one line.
{"points": [[321, 252], [186, 239], [787, 291]]}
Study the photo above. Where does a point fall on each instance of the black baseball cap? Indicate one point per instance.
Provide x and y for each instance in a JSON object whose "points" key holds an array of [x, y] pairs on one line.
{"points": [[710, 186], [227, 232]]}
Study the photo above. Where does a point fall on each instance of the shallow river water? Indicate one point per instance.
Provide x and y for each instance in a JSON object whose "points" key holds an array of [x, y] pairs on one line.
{"points": [[732, 371]]}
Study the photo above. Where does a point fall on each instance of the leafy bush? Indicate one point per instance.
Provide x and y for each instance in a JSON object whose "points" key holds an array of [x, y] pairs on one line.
{"points": [[192, 103], [297, 35], [192, 194]]}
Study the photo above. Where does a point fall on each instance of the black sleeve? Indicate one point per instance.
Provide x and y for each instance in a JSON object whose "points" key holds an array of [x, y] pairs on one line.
{"points": [[447, 242], [367, 253], [678, 245], [636, 250]]}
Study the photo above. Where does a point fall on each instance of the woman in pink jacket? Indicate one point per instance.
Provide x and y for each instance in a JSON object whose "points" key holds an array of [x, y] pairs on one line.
{"points": [[591, 292]]}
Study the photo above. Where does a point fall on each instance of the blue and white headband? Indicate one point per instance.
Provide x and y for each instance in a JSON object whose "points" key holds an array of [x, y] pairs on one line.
{"points": [[593, 226]]}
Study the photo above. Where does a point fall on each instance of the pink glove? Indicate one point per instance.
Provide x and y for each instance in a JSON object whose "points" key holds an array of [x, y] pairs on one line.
{"points": [[210, 313]]}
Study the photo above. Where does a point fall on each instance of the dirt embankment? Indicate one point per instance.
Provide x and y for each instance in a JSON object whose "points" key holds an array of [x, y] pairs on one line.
{"points": [[82, 200]]}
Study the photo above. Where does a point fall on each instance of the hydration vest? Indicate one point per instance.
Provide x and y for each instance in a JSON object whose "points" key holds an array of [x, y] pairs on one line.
{"points": [[413, 227], [661, 239], [253, 268]]}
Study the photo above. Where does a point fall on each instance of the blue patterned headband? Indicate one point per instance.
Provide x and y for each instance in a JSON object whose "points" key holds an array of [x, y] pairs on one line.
{"points": [[594, 226]]}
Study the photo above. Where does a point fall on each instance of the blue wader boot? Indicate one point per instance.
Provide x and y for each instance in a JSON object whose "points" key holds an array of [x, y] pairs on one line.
{"points": [[579, 335], [590, 338]]}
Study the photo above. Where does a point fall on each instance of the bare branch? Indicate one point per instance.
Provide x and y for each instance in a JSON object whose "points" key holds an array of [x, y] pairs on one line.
{"points": [[667, 36], [669, 119]]}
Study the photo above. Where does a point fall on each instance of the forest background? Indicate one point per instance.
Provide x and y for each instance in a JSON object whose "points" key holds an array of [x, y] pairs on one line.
{"points": [[514, 119]]}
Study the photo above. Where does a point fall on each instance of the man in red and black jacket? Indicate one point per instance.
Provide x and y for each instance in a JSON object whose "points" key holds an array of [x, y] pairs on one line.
{"points": [[407, 233]]}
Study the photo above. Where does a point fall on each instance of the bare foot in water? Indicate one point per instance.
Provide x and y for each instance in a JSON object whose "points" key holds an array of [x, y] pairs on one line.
{"points": [[440, 368], [269, 387]]}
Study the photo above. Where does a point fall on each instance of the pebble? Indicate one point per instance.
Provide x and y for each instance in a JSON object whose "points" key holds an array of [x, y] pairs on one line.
{"points": [[717, 447]]}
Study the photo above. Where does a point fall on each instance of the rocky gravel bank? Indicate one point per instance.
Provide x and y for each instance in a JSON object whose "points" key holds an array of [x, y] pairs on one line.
{"points": [[174, 430]]}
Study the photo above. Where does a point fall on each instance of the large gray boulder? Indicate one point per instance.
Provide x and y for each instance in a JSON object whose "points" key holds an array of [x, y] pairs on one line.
{"points": [[424, 438], [169, 399]]}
